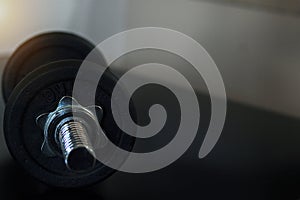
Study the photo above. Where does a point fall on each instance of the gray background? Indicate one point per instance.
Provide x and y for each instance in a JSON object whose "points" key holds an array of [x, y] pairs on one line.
{"points": [[255, 44]]}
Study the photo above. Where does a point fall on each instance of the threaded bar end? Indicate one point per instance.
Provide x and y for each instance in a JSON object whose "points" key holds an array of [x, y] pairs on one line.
{"points": [[76, 146]]}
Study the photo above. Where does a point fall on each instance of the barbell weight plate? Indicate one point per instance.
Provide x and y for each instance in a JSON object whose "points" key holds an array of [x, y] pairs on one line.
{"points": [[40, 50], [39, 92]]}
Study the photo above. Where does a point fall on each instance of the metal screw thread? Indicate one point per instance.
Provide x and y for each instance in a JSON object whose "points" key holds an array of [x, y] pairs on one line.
{"points": [[76, 146]]}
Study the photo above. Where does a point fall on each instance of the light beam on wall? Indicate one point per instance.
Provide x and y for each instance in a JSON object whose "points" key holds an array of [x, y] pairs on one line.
{"points": [[3, 12]]}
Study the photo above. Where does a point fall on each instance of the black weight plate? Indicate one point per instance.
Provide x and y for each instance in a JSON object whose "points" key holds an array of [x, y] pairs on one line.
{"points": [[40, 50], [39, 92]]}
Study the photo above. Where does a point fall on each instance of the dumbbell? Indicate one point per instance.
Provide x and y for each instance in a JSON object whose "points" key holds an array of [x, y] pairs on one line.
{"points": [[41, 130]]}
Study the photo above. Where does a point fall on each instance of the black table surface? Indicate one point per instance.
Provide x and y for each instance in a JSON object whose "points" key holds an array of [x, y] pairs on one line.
{"points": [[257, 157]]}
